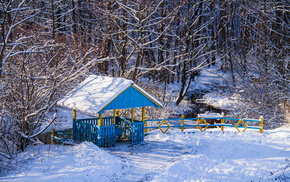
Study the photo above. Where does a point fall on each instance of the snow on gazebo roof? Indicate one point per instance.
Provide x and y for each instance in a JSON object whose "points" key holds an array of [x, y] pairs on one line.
{"points": [[99, 93]]}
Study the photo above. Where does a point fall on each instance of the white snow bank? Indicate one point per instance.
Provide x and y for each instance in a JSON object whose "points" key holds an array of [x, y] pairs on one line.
{"points": [[229, 156], [210, 115], [83, 162], [224, 101], [192, 156]]}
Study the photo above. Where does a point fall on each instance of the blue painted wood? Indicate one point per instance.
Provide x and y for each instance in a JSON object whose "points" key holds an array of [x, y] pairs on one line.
{"points": [[194, 119], [137, 133], [252, 120], [173, 119], [130, 98], [106, 135], [234, 119], [94, 121], [62, 136], [87, 130]]}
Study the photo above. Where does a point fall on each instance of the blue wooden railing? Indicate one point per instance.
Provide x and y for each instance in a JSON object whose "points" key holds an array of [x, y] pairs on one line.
{"points": [[61, 136], [87, 130], [163, 123], [103, 136], [137, 135]]}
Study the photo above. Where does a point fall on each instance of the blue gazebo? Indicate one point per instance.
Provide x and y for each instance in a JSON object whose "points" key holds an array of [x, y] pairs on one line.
{"points": [[97, 94]]}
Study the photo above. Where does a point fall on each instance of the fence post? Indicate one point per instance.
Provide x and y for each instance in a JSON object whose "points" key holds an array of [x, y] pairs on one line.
{"points": [[261, 124], [182, 122], [223, 121], [52, 135]]}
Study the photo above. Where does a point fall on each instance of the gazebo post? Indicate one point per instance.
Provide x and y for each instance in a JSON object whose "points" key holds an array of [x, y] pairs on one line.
{"points": [[75, 114], [118, 112], [114, 119], [132, 120], [143, 118], [100, 120]]}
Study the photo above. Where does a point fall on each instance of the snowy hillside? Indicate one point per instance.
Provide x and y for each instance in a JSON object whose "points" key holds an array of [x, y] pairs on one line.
{"points": [[190, 156]]}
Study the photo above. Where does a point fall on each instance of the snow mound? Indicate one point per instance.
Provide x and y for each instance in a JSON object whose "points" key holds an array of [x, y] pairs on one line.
{"points": [[229, 156], [83, 162]]}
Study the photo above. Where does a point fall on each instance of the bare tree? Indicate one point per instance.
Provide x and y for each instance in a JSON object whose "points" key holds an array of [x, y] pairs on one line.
{"points": [[193, 42], [36, 70], [137, 35]]}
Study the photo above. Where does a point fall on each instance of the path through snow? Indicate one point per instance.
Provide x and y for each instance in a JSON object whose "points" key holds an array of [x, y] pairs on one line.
{"points": [[149, 158]]}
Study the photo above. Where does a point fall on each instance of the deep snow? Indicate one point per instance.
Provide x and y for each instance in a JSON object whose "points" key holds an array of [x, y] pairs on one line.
{"points": [[191, 156]]}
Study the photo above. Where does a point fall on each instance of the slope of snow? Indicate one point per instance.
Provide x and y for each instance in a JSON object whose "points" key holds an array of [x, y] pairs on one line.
{"points": [[225, 101], [83, 162], [210, 77], [191, 156], [230, 156]]}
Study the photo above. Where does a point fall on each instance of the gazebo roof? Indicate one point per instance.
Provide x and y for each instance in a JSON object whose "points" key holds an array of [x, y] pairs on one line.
{"points": [[99, 93]]}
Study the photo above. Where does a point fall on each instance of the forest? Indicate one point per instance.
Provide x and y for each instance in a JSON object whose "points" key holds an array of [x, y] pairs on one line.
{"points": [[49, 46]]}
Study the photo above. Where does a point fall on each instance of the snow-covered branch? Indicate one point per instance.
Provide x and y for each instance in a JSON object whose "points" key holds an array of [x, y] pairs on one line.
{"points": [[41, 131]]}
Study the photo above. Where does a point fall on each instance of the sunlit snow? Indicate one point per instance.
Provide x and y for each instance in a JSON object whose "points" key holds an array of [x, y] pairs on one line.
{"points": [[190, 156]]}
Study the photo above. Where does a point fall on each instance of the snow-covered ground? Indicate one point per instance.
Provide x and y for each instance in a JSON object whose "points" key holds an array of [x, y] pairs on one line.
{"points": [[192, 156]]}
